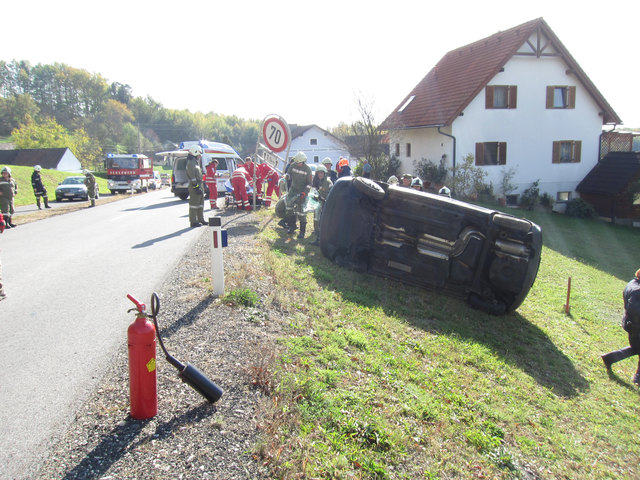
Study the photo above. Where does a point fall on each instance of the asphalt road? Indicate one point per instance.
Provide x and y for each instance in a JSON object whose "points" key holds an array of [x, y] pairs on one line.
{"points": [[67, 278]]}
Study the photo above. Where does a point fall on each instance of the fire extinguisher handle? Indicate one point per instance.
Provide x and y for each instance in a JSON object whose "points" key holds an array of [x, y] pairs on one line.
{"points": [[140, 306]]}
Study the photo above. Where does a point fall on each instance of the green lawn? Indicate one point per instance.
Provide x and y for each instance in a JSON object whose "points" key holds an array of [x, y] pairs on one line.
{"points": [[51, 178], [379, 380]]}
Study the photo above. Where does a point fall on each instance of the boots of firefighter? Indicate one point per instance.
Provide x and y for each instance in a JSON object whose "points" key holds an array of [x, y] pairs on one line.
{"points": [[303, 229], [283, 223], [617, 355], [9, 222], [46, 202], [291, 224], [93, 202], [38, 203]]}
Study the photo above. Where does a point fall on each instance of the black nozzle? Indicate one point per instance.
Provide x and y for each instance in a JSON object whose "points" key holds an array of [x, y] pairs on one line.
{"points": [[201, 383]]}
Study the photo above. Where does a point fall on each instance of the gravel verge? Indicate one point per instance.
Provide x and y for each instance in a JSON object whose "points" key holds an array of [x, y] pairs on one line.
{"points": [[189, 438]]}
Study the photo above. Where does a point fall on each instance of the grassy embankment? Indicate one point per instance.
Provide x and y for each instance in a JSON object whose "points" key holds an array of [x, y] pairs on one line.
{"points": [[51, 179], [379, 380]]}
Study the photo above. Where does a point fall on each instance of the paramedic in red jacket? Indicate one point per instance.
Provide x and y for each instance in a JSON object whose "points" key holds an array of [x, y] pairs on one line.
{"points": [[210, 180], [266, 173], [238, 178]]}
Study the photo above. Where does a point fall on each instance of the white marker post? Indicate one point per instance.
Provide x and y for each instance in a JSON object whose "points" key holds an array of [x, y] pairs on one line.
{"points": [[218, 241]]}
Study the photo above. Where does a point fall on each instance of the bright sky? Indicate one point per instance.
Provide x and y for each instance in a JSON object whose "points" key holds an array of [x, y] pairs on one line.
{"points": [[306, 61]]}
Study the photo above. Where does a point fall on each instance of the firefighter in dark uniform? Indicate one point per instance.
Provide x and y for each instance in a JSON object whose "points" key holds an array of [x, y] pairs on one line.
{"points": [[38, 187], [90, 183], [8, 189], [301, 180], [196, 190], [631, 324]]}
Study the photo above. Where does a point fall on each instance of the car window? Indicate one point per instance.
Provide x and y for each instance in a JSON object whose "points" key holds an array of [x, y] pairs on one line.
{"points": [[73, 180]]}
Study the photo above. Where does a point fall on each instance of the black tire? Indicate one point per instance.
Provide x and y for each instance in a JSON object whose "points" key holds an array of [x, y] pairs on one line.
{"points": [[183, 196], [370, 188]]}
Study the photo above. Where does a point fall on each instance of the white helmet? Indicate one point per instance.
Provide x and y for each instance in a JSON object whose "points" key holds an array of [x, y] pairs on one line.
{"points": [[416, 182], [327, 161], [321, 168], [445, 191], [6, 169], [393, 180], [300, 157], [37, 168], [195, 151]]}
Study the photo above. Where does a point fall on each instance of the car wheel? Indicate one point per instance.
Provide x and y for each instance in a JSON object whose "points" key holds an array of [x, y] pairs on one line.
{"points": [[183, 196], [369, 188]]}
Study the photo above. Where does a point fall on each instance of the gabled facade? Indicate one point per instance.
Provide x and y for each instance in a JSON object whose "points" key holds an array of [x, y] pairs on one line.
{"points": [[61, 159], [316, 144], [516, 99]]}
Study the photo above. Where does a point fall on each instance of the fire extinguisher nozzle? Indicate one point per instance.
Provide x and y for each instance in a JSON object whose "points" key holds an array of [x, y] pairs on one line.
{"points": [[199, 382], [175, 362]]}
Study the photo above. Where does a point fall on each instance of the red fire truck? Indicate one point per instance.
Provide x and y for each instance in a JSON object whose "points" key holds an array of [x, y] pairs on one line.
{"points": [[132, 172]]}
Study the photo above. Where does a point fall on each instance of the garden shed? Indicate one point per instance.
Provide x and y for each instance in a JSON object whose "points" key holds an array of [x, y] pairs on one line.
{"points": [[613, 187], [61, 159]]}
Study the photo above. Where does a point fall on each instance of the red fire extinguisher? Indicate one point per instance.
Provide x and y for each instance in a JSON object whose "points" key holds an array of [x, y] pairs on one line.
{"points": [[143, 388]]}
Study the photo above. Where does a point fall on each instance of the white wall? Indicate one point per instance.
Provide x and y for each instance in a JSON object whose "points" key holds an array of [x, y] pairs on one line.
{"points": [[529, 130], [69, 162], [327, 146]]}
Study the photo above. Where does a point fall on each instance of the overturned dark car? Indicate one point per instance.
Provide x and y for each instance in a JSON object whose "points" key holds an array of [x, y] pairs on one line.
{"points": [[488, 258]]}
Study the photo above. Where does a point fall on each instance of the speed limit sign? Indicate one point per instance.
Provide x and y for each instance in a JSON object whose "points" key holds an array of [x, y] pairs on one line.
{"points": [[275, 133]]}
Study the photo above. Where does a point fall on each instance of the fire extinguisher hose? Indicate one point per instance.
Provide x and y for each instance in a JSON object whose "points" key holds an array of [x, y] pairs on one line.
{"points": [[155, 309], [188, 373]]}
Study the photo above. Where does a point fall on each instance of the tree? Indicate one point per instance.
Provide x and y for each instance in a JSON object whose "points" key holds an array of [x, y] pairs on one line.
{"points": [[369, 139], [14, 111], [49, 134]]}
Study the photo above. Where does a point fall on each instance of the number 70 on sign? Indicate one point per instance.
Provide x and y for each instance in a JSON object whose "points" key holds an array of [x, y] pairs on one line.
{"points": [[275, 133]]}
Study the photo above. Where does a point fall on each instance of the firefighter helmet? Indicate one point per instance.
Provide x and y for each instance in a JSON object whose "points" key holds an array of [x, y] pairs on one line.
{"points": [[416, 182], [445, 192], [37, 168], [195, 151], [393, 180], [321, 168], [327, 161], [6, 169], [300, 157]]}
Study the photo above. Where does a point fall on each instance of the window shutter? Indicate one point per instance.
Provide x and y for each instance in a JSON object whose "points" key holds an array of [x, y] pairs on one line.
{"points": [[479, 153], [502, 153], [513, 96], [577, 151], [488, 102], [556, 152], [549, 97], [571, 93]]}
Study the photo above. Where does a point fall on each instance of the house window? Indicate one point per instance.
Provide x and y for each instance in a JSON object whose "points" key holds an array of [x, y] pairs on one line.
{"points": [[491, 153], [501, 96], [397, 149], [563, 196], [316, 159], [313, 141], [408, 149], [513, 200], [567, 151], [561, 97]]}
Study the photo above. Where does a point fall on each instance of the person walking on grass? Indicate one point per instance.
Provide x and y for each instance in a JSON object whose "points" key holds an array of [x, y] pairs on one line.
{"points": [[631, 324]]}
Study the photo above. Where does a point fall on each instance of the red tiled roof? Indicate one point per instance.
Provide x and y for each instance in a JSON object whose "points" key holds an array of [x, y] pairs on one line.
{"points": [[462, 73]]}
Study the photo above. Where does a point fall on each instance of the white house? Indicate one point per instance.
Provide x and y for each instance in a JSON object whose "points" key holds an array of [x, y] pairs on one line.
{"points": [[316, 144], [516, 99]]}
